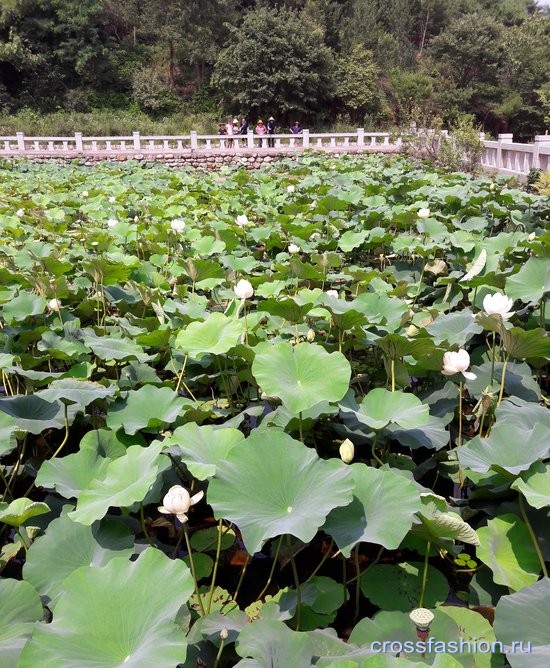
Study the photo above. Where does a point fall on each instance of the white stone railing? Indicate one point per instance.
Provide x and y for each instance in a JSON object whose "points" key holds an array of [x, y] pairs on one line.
{"points": [[136, 143], [509, 158]]}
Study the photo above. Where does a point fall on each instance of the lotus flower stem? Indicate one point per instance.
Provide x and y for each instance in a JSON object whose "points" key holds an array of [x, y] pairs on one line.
{"points": [[143, 526], [216, 564], [392, 375], [192, 565], [502, 379], [296, 584], [373, 563], [241, 577], [374, 450], [459, 440], [301, 427], [424, 575], [7, 485], [542, 308], [357, 581], [493, 357], [533, 536], [23, 541], [219, 654], [270, 576], [320, 564]]}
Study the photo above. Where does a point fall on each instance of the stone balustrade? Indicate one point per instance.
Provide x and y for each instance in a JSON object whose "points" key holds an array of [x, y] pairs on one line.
{"points": [[513, 159]]}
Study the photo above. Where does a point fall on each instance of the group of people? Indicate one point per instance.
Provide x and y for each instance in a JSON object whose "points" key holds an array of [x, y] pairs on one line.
{"points": [[232, 128]]}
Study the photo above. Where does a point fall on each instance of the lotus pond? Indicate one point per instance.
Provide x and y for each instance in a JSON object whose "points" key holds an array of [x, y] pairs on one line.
{"points": [[258, 418]]}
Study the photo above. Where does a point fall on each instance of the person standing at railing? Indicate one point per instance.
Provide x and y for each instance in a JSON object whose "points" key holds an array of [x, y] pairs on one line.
{"points": [[243, 130], [271, 131], [230, 131], [296, 129], [260, 130]]}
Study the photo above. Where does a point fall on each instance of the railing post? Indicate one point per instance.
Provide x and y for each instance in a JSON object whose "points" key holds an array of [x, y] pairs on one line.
{"points": [[360, 137], [539, 139], [305, 136], [194, 141], [250, 139], [506, 138], [137, 141], [20, 141], [78, 140]]}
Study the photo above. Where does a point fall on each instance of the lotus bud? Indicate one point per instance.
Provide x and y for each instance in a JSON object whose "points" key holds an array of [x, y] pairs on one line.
{"points": [[347, 451], [422, 618], [241, 220], [532, 236], [112, 200], [293, 249], [84, 193], [178, 225], [224, 634], [178, 501], [310, 336], [333, 293], [20, 213], [54, 304], [290, 188], [423, 213], [244, 289], [112, 222]]}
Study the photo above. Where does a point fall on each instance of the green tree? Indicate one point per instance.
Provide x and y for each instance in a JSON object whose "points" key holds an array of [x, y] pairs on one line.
{"points": [[357, 86], [275, 62]]}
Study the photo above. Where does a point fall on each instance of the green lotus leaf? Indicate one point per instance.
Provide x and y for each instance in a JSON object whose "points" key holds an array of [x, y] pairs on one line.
{"points": [[115, 348], [531, 282], [396, 346], [72, 474], [287, 309], [388, 312], [351, 240], [8, 441], [521, 344], [202, 448], [534, 484], [397, 586], [454, 328], [81, 392], [438, 526], [501, 450], [216, 335], [68, 545], [380, 407], [23, 306], [518, 380], [506, 547], [523, 617], [271, 485], [298, 374], [432, 435], [20, 510], [127, 480], [150, 407], [365, 519], [32, 413], [121, 614], [20, 607], [272, 644]]}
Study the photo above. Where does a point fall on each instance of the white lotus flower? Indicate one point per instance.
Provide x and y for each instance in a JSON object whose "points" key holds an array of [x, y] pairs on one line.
{"points": [[112, 200], [84, 193], [178, 501], [178, 225], [290, 188], [498, 304], [54, 304], [293, 249], [532, 236], [20, 213], [242, 220], [423, 213], [244, 289], [457, 363], [422, 618], [310, 336], [112, 222], [333, 293], [347, 451]]}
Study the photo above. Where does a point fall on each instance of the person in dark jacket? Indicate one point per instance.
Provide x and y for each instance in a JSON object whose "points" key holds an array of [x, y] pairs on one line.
{"points": [[271, 131], [296, 129], [243, 129]]}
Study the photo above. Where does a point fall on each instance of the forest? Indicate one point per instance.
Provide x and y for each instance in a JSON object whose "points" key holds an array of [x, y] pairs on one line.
{"points": [[327, 63]]}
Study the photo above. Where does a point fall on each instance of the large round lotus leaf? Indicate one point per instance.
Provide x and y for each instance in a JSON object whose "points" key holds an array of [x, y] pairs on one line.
{"points": [[201, 448], [500, 449], [216, 335], [68, 545], [31, 413], [115, 348], [149, 407], [523, 617], [454, 328], [377, 493], [506, 547], [534, 484], [390, 661], [271, 644], [8, 442], [72, 474], [127, 481], [120, 615], [531, 281], [23, 306], [271, 485], [20, 510], [398, 586], [301, 376], [81, 392], [437, 526], [20, 607], [381, 407]]}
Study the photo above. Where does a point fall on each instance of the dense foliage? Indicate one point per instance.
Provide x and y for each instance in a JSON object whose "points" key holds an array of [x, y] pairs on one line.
{"points": [[256, 418], [364, 62]]}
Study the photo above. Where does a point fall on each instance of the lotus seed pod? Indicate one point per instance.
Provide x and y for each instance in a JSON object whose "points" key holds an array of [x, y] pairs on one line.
{"points": [[421, 618]]}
